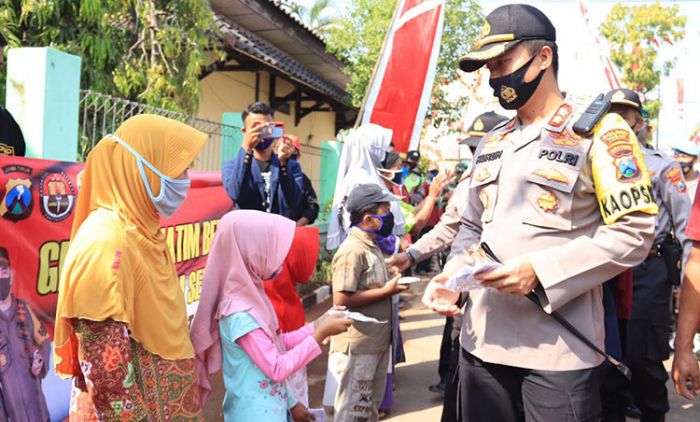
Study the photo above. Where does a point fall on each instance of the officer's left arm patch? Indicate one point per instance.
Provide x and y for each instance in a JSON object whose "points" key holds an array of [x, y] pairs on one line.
{"points": [[622, 180], [675, 176]]}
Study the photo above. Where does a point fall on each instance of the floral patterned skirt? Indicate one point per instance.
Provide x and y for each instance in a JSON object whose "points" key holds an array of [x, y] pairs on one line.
{"points": [[123, 381]]}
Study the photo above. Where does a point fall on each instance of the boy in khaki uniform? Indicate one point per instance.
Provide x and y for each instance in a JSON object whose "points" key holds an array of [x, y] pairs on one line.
{"points": [[361, 283]]}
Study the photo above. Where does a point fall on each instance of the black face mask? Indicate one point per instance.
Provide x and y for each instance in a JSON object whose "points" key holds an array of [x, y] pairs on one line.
{"points": [[387, 225], [4, 287], [511, 90]]}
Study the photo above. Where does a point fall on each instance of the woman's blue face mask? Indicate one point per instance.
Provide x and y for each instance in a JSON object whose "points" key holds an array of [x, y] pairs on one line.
{"points": [[172, 191]]}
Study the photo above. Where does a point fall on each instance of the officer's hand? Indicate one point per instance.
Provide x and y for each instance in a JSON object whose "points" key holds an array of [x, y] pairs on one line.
{"points": [[400, 261], [515, 276], [440, 299], [686, 374]]}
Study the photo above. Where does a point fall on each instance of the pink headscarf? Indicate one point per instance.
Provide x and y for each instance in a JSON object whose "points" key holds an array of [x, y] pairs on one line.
{"points": [[248, 248]]}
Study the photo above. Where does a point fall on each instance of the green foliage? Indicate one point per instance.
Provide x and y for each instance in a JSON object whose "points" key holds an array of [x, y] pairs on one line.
{"points": [[633, 33], [151, 51], [358, 37], [313, 17]]}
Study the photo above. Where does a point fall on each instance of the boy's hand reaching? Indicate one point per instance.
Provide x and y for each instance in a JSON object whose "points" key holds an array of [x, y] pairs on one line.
{"points": [[301, 414], [393, 287]]}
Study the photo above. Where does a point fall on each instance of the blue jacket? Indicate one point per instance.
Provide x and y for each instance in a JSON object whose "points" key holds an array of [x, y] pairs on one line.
{"points": [[245, 185]]}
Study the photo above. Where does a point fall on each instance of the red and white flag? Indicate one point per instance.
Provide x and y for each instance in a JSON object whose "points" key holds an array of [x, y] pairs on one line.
{"points": [[400, 90], [603, 50]]}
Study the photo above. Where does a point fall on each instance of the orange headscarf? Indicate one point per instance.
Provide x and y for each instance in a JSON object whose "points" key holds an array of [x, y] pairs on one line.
{"points": [[118, 266]]}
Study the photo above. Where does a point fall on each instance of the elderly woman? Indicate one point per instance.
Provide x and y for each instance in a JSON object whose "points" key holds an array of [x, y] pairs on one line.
{"points": [[121, 324]]}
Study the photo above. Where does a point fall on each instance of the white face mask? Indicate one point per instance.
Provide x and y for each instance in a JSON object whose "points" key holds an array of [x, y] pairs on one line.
{"points": [[172, 191]]}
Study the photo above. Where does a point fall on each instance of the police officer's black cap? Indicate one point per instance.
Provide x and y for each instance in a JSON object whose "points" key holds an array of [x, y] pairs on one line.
{"points": [[367, 196], [413, 156], [506, 27], [625, 97], [482, 125]]}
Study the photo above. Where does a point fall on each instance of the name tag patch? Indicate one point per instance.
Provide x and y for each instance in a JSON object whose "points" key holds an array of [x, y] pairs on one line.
{"points": [[559, 156], [488, 157]]}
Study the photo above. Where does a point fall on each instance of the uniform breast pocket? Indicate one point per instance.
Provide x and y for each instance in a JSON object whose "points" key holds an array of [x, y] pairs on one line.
{"points": [[484, 180], [549, 193]]}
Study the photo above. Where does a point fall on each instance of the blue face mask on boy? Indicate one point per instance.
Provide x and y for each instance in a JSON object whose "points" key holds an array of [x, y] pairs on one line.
{"points": [[172, 191]]}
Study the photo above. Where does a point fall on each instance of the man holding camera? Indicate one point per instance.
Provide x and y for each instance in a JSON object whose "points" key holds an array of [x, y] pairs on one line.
{"points": [[563, 212], [258, 178]]}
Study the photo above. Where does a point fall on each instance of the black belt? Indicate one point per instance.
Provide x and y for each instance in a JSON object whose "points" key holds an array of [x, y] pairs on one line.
{"points": [[655, 251], [532, 296]]}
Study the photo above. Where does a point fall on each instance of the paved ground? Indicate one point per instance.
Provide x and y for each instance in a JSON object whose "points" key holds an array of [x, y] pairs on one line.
{"points": [[422, 331]]}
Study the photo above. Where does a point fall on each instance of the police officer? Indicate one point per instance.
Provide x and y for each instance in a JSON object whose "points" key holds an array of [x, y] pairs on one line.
{"points": [[686, 153], [562, 212], [649, 326]]}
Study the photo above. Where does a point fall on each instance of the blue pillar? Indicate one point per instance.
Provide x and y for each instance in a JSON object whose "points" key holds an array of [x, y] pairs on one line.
{"points": [[43, 94], [231, 140], [330, 157]]}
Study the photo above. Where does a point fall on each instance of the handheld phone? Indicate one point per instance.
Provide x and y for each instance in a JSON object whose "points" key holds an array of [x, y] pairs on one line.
{"points": [[273, 130], [595, 111]]}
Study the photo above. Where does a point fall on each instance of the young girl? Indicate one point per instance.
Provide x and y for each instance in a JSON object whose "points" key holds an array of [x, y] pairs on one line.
{"points": [[235, 318]]}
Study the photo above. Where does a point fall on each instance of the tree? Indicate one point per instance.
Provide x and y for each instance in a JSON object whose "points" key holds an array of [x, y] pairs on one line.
{"points": [[635, 34], [151, 51], [358, 37], [315, 17]]}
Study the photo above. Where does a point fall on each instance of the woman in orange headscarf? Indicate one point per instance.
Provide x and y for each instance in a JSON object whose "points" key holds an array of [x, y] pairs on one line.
{"points": [[121, 324]]}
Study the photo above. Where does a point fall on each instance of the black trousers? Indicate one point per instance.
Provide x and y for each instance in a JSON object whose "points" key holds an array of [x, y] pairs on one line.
{"points": [[445, 351], [492, 392], [648, 332], [449, 407]]}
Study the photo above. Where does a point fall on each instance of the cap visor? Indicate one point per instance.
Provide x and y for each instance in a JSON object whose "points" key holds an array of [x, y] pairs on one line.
{"points": [[472, 141], [475, 59]]}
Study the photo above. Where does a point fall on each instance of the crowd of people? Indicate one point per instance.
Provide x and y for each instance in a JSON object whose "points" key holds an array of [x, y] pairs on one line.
{"points": [[576, 230]]}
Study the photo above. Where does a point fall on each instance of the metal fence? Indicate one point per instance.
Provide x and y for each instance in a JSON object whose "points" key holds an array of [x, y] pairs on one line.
{"points": [[102, 114]]}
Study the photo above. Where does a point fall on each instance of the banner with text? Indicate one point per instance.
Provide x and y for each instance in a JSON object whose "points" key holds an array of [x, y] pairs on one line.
{"points": [[37, 199]]}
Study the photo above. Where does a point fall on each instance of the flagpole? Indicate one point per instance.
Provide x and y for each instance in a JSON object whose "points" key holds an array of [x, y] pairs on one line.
{"points": [[361, 113]]}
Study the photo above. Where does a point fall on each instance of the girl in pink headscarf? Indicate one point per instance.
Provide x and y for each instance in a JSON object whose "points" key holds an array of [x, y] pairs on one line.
{"points": [[236, 327]]}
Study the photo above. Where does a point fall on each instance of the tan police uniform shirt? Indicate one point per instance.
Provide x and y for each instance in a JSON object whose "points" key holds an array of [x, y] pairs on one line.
{"points": [[544, 192], [359, 265], [441, 236]]}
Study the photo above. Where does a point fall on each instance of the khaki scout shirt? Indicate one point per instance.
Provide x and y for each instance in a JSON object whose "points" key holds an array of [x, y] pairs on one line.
{"points": [[441, 236], [533, 193], [670, 191], [359, 265]]}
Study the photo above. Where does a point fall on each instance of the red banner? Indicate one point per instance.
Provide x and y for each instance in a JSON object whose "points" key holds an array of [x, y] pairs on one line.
{"points": [[37, 199], [401, 88]]}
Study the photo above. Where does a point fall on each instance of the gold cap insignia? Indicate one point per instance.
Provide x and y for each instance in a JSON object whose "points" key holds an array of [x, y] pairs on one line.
{"points": [[508, 94], [478, 125]]}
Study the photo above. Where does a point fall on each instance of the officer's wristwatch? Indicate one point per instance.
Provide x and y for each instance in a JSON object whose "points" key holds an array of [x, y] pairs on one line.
{"points": [[411, 257]]}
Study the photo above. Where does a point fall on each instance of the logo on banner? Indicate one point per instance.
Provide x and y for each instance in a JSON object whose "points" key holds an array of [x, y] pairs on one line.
{"points": [[57, 196], [17, 201]]}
